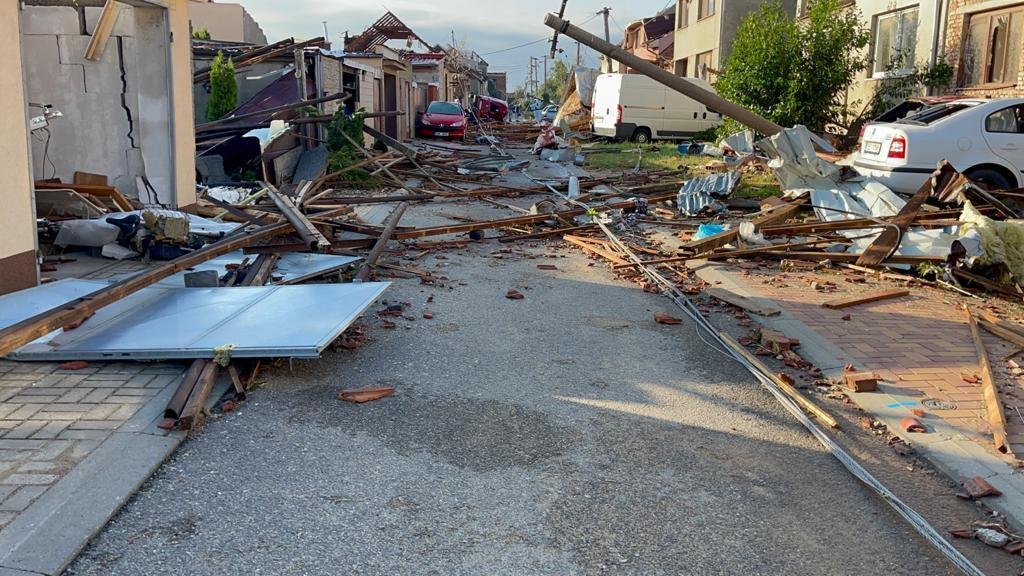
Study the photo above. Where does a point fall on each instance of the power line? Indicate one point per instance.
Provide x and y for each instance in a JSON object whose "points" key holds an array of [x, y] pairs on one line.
{"points": [[544, 39]]}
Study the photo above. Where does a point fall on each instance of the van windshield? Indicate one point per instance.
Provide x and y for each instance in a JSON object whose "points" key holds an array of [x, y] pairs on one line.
{"points": [[439, 107], [933, 114]]}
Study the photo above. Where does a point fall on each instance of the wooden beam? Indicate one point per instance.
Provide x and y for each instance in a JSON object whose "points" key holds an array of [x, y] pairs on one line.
{"points": [[593, 247], [840, 303], [306, 230], [775, 215], [518, 220], [211, 125], [886, 243], [834, 257], [993, 407], [381, 243], [104, 28]]}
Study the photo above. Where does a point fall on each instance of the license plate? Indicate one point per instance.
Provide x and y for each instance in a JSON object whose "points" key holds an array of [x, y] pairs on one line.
{"points": [[872, 147]]}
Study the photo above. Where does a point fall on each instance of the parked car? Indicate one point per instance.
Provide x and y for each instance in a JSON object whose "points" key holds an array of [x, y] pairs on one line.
{"points": [[549, 113], [635, 107], [442, 120], [982, 138]]}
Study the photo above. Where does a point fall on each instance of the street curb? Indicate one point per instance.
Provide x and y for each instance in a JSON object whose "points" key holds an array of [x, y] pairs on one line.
{"points": [[954, 454], [49, 534]]}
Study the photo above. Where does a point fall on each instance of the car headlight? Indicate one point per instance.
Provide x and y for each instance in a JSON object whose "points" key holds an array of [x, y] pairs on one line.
{"points": [[425, 121]]}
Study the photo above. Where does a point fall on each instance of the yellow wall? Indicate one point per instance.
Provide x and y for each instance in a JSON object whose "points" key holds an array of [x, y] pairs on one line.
{"points": [[181, 88], [17, 216]]}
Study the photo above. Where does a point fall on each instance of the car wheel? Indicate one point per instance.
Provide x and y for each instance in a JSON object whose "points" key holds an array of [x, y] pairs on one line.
{"points": [[989, 179], [642, 136]]}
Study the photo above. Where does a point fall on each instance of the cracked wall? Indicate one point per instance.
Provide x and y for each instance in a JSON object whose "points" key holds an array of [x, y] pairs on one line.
{"points": [[117, 110]]}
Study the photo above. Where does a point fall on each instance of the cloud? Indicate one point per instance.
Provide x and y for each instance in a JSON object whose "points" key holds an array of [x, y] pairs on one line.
{"points": [[484, 26]]}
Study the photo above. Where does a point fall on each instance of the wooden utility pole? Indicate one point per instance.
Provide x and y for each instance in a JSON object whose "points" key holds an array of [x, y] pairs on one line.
{"points": [[677, 83], [554, 39]]}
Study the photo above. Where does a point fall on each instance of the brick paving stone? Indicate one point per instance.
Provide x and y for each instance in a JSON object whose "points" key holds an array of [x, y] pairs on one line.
{"points": [[97, 395], [139, 381], [22, 498], [52, 450], [6, 444], [919, 343], [24, 430], [24, 411], [74, 395], [51, 430], [6, 518], [21, 398], [44, 466]]}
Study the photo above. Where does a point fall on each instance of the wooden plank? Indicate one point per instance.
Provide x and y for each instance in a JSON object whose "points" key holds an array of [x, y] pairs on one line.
{"points": [[518, 220], [837, 257], [110, 192], [812, 408], [743, 302], [594, 248], [381, 243], [545, 234], [993, 407], [309, 233], [840, 303], [197, 399], [889, 240], [104, 28], [89, 178], [775, 215]]}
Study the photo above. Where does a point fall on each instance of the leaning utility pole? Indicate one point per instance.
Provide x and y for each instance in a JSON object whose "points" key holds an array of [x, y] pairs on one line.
{"points": [[677, 83], [554, 39], [577, 54]]}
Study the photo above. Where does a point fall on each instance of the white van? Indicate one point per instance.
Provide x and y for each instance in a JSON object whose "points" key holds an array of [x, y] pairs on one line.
{"points": [[635, 107]]}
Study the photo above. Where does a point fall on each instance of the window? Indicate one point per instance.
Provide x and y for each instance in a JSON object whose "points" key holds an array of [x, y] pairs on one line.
{"points": [[705, 8], [933, 114], [683, 8], [992, 52], [1007, 121], [895, 40], [703, 65], [682, 66]]}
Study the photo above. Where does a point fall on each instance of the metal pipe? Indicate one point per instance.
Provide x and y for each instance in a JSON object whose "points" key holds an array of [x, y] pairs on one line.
{"points": [[677, 83]]}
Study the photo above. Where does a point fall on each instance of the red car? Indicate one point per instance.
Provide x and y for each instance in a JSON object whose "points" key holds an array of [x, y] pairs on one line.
{"points": [[442, 120]]}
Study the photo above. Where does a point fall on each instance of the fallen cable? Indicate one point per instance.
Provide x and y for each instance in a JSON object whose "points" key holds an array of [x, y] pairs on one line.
{"points": [[849, 462]]}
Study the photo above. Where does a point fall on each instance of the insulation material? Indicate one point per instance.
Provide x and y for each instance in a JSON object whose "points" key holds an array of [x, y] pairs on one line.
{"points": [[1001, 242]]}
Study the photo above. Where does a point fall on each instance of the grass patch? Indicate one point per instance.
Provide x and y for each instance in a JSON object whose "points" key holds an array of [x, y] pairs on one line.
{"points": [[619, 157]]}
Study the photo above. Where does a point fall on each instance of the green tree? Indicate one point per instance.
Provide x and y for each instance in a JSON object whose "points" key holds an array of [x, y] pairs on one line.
{"points": [[554, 87], [795, 72], [201, 34], [223, 88]]}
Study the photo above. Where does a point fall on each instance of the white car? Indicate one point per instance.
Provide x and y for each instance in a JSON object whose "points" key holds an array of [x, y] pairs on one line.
{"points": [[982, 138]]}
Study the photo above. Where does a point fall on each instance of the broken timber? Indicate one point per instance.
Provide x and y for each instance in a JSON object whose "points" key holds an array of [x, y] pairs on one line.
{"points": [[775, 215], [840, 303], [381, 243], [517, 220], [211, 125], [306, 230], [993, 408], [104, 28]]}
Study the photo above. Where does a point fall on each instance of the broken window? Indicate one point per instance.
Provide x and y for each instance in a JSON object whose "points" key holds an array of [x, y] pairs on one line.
{"points": [[703, 65], [705, 8], [895, 40], [992, 51]]}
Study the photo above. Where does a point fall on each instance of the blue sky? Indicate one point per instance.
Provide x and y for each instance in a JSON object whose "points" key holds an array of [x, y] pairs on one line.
{"points": [[483, 25]]}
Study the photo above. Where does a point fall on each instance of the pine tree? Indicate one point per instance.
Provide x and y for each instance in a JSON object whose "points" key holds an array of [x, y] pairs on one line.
{"points": [[223, 88]]}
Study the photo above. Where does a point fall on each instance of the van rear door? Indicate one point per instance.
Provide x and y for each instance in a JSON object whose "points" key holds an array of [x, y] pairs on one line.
{"points": [[605, 108]]}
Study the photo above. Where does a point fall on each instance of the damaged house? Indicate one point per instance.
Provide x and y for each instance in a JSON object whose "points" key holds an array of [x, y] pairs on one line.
{"points": [[100, 92]]}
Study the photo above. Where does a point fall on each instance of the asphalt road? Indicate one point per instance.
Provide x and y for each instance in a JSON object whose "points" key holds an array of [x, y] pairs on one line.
{"points": [[565, 433]]}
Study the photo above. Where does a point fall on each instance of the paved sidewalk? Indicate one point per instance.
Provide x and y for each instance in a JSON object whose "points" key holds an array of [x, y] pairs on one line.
{"points": [[54, 420], [920, 345]]}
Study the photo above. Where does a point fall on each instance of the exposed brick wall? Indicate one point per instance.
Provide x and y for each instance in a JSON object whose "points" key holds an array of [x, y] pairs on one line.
{"points": [[956, 34]]}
